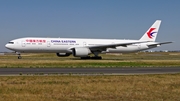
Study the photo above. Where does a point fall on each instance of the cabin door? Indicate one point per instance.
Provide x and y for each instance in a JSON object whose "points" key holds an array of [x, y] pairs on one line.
{"points": [[23, 43], [48, 44]]}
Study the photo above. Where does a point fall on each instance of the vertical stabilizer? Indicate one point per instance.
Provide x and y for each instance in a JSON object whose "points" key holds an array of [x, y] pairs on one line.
{"points": [[152, 32]]}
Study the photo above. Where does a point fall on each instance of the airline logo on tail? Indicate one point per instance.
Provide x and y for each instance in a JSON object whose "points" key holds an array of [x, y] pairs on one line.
{"points": [[150, 33]]}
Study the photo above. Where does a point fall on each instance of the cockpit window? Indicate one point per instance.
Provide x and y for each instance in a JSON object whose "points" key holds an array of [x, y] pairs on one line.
{"points": [[10, 42]]}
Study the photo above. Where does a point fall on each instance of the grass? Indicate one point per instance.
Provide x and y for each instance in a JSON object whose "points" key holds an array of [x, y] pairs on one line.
{"points": [[164, 87], [157, 59]]}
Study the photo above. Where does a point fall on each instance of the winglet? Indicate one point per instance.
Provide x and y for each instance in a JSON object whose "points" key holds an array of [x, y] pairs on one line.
{"points": [[152, 32]]}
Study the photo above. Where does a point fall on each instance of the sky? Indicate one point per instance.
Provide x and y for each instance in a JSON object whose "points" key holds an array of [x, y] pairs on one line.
{"points": [[114, 19]]}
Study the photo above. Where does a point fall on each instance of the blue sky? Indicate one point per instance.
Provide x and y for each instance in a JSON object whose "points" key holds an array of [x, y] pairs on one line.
{"points": [[116, 19]]}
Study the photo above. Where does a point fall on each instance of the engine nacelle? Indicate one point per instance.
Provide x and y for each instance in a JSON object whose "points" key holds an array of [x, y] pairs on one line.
{"points": [[62, 54], [81, 52]]}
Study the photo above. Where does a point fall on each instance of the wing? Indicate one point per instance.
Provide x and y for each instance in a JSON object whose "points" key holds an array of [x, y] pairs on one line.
{"points": [[104, 47]]}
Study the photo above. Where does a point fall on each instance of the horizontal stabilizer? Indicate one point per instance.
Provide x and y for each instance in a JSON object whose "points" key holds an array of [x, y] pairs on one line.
{"points": [[159, 43]]}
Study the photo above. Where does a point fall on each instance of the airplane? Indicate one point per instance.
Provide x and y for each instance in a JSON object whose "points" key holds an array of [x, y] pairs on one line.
{"points": [[81, 47]]}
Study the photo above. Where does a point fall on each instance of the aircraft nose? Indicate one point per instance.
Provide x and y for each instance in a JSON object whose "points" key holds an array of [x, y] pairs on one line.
{"points": [[6, 46]]}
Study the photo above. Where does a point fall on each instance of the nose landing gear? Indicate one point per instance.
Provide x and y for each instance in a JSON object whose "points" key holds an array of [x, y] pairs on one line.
{"points": [[19, 55]]}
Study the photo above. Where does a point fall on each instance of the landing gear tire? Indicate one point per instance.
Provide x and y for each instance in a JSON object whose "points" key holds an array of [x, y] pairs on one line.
{"points": [[19, 57], [88, 57], [93, 58], [97, 58]]}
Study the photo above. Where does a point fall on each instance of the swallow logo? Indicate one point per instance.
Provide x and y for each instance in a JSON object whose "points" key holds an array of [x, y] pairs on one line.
{"points": [[150, 33]]}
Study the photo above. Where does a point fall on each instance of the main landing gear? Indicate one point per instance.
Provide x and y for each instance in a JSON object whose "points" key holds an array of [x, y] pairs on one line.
{"points": [[19, 55], [95, 57]]}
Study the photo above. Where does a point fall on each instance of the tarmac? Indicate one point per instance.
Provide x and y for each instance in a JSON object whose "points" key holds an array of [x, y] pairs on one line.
{"points": [[104, 71]]}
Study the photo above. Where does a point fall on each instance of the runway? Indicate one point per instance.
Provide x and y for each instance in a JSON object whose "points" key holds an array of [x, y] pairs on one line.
{"points": [[108, 71]]}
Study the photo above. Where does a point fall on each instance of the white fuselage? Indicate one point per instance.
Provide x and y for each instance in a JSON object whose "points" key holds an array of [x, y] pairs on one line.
{"points": [[64, 45]]}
